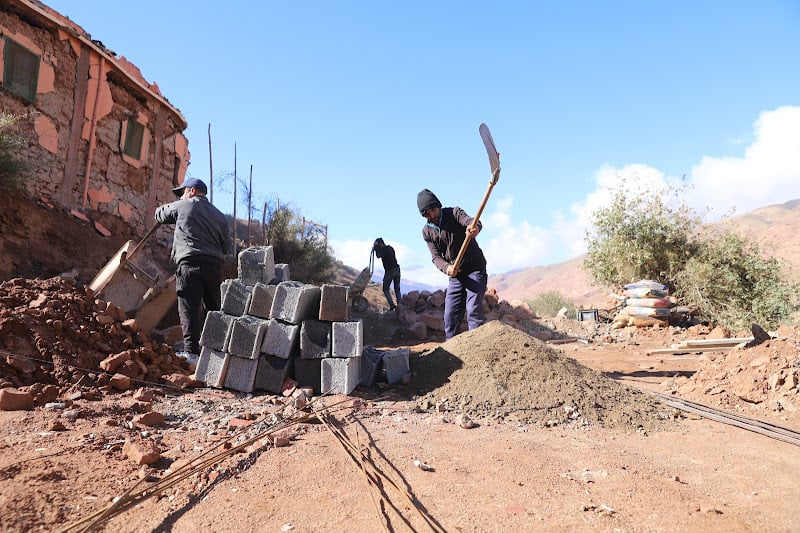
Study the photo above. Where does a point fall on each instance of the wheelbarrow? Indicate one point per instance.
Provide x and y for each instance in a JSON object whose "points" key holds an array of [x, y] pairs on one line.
{"points": [[136, 284], [359, 285]]}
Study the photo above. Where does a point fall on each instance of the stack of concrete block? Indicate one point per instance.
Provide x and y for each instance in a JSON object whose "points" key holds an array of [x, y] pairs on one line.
{"points": [[271, 328]]}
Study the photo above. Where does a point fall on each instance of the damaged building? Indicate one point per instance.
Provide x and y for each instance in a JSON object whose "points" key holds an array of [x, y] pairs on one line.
{"points": [[98, 135]]}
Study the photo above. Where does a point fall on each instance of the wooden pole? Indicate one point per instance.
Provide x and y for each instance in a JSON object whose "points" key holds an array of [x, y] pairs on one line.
{"points": [[235, 186], [210, 168], [264, 225], [249, 206]]}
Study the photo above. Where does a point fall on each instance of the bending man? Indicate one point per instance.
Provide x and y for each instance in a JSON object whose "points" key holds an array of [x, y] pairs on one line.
{"points": [[391, 271]]}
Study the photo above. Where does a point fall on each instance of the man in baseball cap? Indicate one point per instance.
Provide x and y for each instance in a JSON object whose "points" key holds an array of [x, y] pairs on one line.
{"points": [[199, 244]]}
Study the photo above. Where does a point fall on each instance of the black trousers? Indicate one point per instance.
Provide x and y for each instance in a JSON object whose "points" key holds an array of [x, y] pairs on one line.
{"points": [[197, 284]]}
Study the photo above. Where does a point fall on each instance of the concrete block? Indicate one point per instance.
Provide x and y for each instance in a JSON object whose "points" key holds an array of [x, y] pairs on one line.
{"points": [[261, 299], [295, 301], [281, 339], [315, 339], [308, 373], [241, 374], [333, 302], [281, 273], [247, 333], [340, 376], [395, 362], [347, 338], [371, 362], [235, 297], [271, 373], [216, 329], [256, 265], [212, 365]]}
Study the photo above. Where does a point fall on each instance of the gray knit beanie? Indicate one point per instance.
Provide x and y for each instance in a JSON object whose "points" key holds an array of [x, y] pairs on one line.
{"points": [[426, 199]]}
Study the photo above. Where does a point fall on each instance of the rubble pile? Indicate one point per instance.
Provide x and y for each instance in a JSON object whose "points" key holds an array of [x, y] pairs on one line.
{"points": [[751, 377], [421, 313], [55, 333]]}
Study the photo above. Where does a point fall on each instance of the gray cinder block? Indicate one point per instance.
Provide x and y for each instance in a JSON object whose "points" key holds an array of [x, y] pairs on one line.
{"points": [[235, 297], [212, 366], [281, 273], [308, 373], [260, 302], [333, 302], [371, 361], [396, 364], [216, 329], [315, 339], [281, 339], [295, 301], [241, 373], [340, 376], [271, 373], [256, 265], [348, 338], [247, 333]]}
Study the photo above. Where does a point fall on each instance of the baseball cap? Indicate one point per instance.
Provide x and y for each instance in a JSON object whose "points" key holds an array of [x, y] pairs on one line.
{"points": [[190, 183]]}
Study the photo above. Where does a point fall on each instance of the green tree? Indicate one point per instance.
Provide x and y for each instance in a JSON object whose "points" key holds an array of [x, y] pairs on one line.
{"points": [[10, 142], [727, 277], [300, 244], [639, 237]]}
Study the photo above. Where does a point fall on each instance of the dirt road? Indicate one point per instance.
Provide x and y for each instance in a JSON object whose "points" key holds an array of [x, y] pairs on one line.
{"points": [[687, 474]]}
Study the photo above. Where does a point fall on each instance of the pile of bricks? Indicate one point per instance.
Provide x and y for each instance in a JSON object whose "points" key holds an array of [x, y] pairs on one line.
{"points": [[271, 329]]}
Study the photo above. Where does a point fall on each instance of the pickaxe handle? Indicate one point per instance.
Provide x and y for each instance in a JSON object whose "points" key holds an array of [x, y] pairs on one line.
{"points": [[468, 238], [494, 163]]}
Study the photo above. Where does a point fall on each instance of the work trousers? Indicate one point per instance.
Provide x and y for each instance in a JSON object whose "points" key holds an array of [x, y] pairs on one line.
{"points": [[392, 276], [464, 293], [197, 284]]}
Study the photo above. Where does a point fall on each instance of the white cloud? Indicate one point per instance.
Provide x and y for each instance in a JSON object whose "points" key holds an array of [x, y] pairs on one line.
{"points": [[767, 173]]}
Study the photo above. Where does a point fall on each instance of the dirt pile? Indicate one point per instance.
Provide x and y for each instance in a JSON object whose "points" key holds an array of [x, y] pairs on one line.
{"points": [[53, 332], [499, 372]]}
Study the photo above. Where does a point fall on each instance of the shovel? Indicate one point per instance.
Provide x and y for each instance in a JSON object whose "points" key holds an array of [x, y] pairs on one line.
{"points": [[494, 163]]}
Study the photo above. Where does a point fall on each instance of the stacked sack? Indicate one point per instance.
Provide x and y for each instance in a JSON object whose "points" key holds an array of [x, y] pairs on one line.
{"points": [[647, 303]]}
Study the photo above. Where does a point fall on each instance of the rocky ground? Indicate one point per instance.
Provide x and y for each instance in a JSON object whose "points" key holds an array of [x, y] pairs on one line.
{"points": [[492, 430]]}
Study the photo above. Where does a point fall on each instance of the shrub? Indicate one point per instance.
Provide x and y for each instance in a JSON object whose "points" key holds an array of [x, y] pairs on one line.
{"points": [[723, 274], [548, 304], [10, 141], [300, 244]]}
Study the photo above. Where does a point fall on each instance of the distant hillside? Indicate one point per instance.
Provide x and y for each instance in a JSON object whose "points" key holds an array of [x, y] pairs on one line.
{"points": [[774, 228]]}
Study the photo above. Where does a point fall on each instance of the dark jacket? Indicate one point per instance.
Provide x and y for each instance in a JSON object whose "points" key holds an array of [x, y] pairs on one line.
{"points": [[200, 229], [386, 254], [445, 239]]}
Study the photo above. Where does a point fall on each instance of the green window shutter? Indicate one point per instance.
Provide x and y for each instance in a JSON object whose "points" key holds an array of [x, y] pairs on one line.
{"points": [[134, 135], [21, 72]]}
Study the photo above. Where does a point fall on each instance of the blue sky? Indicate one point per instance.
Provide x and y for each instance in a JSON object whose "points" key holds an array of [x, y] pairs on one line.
{"points": [[347, 109]]}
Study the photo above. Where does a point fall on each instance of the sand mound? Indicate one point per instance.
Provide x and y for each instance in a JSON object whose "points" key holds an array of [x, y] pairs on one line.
{"points": [[499, 372]]}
